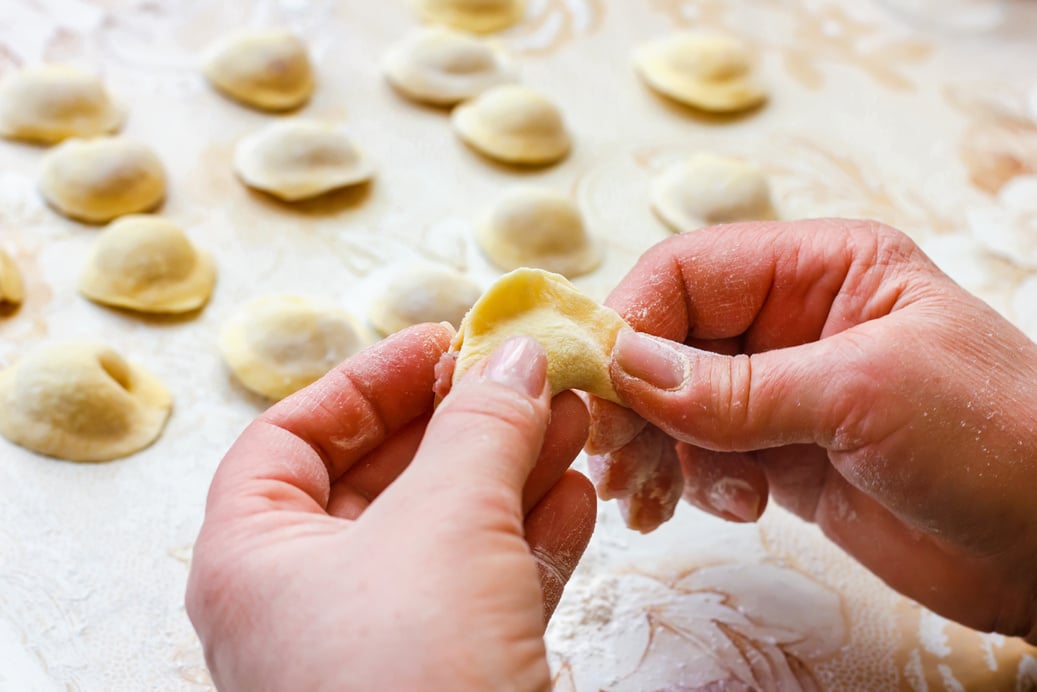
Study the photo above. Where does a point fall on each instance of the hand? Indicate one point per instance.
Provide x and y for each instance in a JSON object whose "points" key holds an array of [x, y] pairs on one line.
{"points": [[355, 540], [831, 365]]}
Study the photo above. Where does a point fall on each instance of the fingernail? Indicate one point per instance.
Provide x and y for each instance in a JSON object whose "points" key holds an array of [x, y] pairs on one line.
{"points": [[519, 363], [735, 498], [650, 359]]}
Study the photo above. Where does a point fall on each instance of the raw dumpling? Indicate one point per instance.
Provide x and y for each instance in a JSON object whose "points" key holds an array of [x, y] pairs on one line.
{"points": [[146, 263], [513, 124], [423, 294], [299, 159], [712, 72], [533, 227], [50, 103], [11, 289], [443, 67], [277, 345], [81, 401], [577, 333], [269, 70], [479, 16], [709, 189], [97, 180]]}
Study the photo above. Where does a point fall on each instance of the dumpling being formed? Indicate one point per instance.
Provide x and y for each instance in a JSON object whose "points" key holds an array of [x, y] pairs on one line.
{"points": [[277, 345], [49, 103], [81, 401], [478, 16], [268, 70], [146, 263], [577, 333], [12, 291], [533, 227], [299, 159], [97, 180], [441, 66], [708, 189], [712, 72], [513, 124], [417, 294]]}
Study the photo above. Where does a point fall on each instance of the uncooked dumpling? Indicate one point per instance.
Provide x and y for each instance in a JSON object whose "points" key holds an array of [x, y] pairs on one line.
{"points": [[577, 333], [11, 289], [97, 180], [708, 189], [479, 16], [513, 124], [269, 70], [277, 345], [146, 263], [533, 227], [417, 294], [81, 401], [50, 103], [299, 159], [443, 67], [712, 72]]}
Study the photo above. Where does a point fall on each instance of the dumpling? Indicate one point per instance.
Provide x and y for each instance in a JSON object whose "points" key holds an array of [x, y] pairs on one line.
{"points": [[298, 159], [441, 66], [268, 70], [97, 180], [533, 227], [11, 289], [712, 72], [81, 401], [416, 294], [146, 263], [49, 103], [479, 16], [513, 124], [277, 345], [708, 189], [577, 333]]}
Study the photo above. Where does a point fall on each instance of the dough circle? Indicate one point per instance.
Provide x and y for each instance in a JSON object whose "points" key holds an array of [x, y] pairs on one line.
{"points": [[708, 189], [477, 16], [49, 103], [513, 124], [269, 70], [12, 290], [416, 294]]}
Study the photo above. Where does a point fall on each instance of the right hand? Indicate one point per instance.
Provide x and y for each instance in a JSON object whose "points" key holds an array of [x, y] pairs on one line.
{"points": [[832, 365]]}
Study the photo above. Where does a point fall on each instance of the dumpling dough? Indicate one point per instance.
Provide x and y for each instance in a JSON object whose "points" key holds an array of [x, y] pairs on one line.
{"points": [[416, 294], [97, 180], [11, 289], [708, 189], [81, 401], [277, 345], [533, 227], [50, 103], [268, 70], [577, 333], [712, 72], [443, 67], [298, 159], [146, 263], [513, 124], [478, 16]]}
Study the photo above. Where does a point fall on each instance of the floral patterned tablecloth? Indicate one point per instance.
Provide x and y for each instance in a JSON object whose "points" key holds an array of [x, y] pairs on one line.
{"points": [[920, 113]]}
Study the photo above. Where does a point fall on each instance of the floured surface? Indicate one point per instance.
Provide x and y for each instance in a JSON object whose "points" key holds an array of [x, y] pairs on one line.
{"points": [[93, 559]]}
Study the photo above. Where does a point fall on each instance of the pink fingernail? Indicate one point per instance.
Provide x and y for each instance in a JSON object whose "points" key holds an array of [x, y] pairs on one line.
{"points": [[650, 359], [735, 498], [520, 363]]}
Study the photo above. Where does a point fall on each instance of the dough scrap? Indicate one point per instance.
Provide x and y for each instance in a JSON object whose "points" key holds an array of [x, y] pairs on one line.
{"points": [[146, 263], [711, 72], [269, 70], [477, 16], [12, 291], [534, 227], [417, 294], [441, 66], [299, 159], [708, 189], [276, 345], [577, 333], [81, 401], [49, 103], [513, 124], [97, 180]]}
